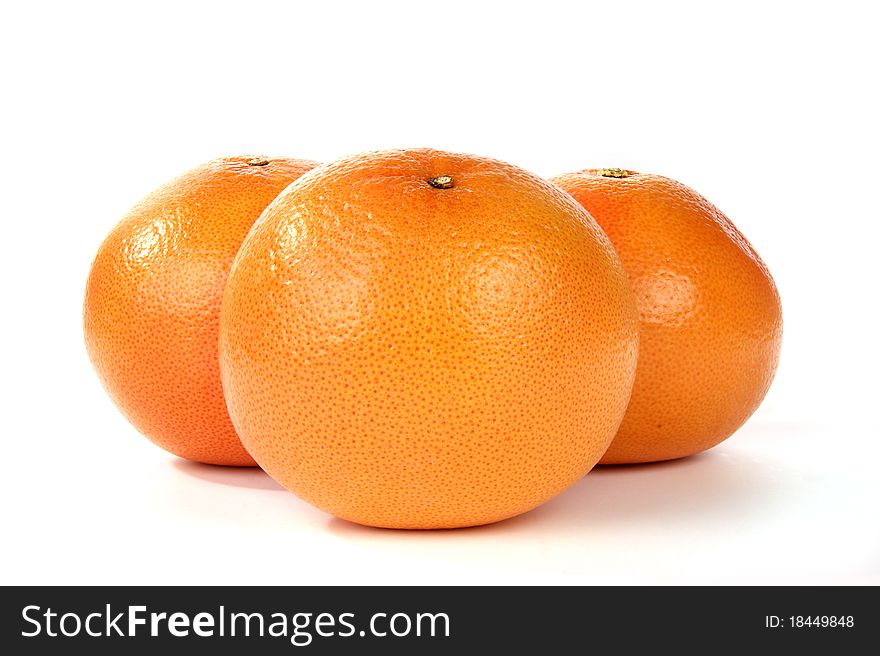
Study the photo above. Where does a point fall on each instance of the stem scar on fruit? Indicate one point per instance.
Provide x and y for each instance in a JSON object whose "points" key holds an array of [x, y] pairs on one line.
{"points": [[614, 173], [441, 182], [258, 161]]}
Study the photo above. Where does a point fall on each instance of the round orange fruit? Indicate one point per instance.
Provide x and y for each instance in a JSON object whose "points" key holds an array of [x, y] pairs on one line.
{"points": [[421, 339], [153, 301], [710, 317]]}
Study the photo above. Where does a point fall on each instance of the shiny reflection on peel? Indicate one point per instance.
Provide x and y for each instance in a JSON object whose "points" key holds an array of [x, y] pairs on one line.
{"points": [[330, 283], [293, 239], [665, 297], [495, 286], [148, 242]]}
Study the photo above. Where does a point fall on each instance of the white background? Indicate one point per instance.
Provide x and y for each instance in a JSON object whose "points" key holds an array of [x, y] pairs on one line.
{"points": [[769, 109]]}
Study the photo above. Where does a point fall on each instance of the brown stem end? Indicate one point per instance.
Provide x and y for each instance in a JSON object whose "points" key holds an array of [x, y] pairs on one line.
{"points": [[441, 182], [614, 173]]}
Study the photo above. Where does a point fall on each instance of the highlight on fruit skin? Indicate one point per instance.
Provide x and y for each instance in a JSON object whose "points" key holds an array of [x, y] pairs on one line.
{"points": [[421, 339], [710, 314], [152, 302]]}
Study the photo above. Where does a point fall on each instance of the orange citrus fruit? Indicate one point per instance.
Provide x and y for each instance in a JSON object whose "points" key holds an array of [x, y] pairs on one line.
{"points": [[710, 317], [422, 339], [153, 301]]}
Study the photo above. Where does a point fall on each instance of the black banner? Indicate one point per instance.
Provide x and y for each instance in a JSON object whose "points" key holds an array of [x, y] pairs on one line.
{"points": [[436, 620]]}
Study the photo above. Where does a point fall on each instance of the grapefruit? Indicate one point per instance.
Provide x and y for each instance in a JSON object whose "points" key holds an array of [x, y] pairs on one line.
{"points": [[710, 315], [153, 301], [421, 339]]}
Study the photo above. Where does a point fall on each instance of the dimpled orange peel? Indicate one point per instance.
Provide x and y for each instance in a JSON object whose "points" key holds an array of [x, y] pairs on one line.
{"points": [[421, 339], [153, 301], [711, 320]]}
